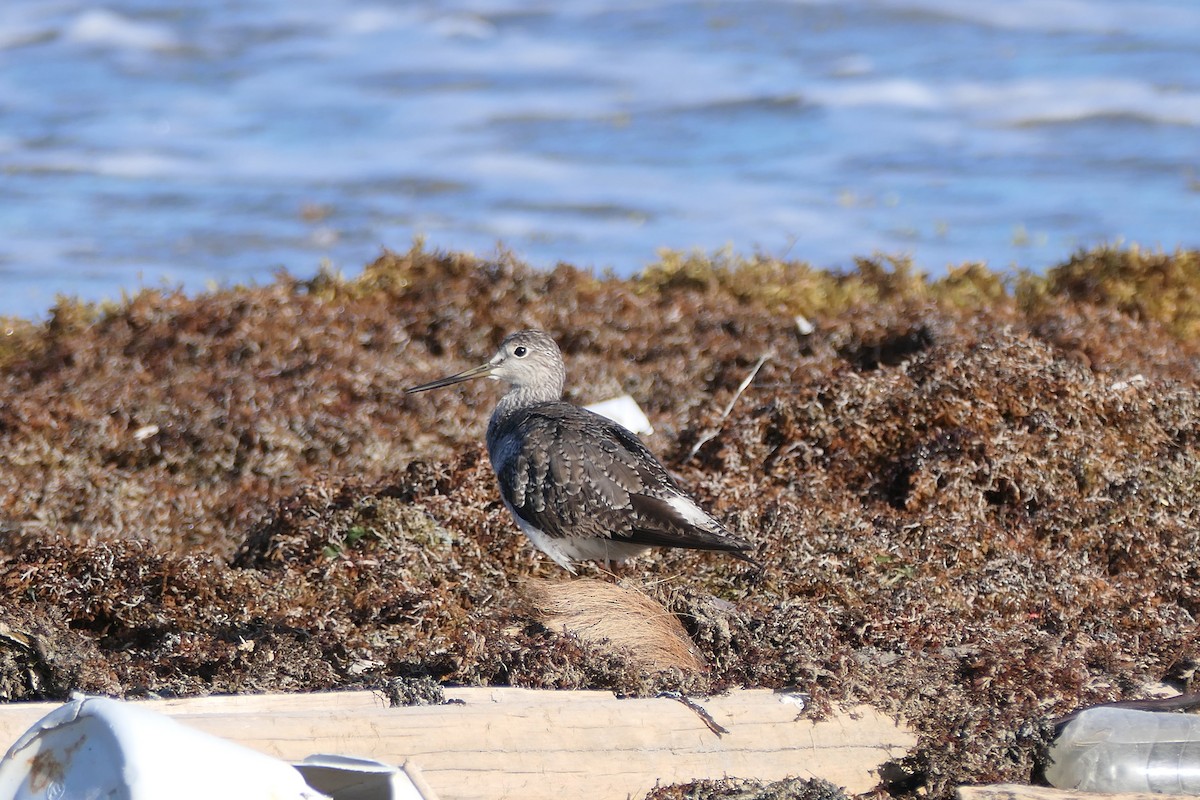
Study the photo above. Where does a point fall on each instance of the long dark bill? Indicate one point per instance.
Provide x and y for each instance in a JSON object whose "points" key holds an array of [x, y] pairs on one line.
{"points": [[450, 380]]}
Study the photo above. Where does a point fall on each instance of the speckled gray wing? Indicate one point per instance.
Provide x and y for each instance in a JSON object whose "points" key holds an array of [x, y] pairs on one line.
{"points": [[571, 473]]}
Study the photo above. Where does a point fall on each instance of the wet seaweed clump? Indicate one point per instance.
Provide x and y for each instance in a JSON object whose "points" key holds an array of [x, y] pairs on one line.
{"points": [[974, 496], [424, 691], [734, 789]]}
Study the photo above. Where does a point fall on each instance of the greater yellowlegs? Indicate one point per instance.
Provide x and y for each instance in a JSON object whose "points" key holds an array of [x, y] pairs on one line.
{"points": [[579, 485]]}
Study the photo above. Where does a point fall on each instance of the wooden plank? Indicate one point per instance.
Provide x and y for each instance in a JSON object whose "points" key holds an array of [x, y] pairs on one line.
{"points": [[519, 743], [1017, 791]]}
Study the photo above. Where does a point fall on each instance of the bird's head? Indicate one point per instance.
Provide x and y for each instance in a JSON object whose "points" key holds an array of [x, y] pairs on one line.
{"points": [[527, 360]]}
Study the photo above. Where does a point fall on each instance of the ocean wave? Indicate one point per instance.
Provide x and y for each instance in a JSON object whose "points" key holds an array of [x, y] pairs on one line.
{"points": [[103, 28], [1062, 16], [15, 34], [134, 164], [1022, 103]]}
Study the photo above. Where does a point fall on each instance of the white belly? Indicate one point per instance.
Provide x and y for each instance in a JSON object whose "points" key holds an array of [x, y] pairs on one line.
{"points": [[566, 550]]}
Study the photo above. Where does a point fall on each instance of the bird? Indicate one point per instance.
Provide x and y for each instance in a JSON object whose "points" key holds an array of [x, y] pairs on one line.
{"points": [[579, 485]]}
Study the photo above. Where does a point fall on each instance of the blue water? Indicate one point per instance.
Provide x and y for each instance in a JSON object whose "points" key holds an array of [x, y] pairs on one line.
{"points": [[210, 142]]}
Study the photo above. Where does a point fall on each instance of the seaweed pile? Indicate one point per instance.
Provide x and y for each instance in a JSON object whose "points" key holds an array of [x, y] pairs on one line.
{"points": [[975, 496]]}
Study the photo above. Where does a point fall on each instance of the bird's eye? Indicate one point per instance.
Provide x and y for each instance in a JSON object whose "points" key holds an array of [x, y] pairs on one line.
{"points": [[520, 351]]}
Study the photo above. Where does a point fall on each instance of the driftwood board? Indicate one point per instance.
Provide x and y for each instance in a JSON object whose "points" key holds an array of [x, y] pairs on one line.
{"points": [[519, 743]]}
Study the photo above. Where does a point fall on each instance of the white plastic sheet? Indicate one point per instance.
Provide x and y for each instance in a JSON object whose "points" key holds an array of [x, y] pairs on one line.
{"points": [[97, 747], [625, 411]]}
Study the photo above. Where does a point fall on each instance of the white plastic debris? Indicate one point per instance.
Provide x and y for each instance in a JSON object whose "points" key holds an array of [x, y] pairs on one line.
{"points": [[1135, 382], [348, 778], [145, 432], [96, 747], [624, 411], [798, 699], [1108, 749]]}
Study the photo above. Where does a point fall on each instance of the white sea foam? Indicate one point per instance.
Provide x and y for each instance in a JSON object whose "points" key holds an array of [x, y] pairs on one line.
{"points": [[1086, 16], [1022, 103], [1037, 102], [104, 28], [892, 92], [374, 19], [523, 168], [140, 164], [852, 65], [464, 26], [118, 164]]}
